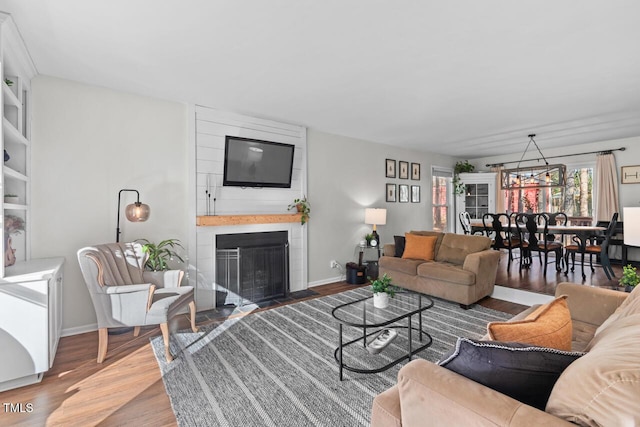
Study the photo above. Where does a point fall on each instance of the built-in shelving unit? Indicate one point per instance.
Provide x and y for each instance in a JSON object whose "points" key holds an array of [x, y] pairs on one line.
{"points": [[30, 289]]}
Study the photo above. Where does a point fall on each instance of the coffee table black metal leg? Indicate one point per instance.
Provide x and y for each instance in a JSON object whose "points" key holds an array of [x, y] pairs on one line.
{"points": [[409, 337], [340, 351]]}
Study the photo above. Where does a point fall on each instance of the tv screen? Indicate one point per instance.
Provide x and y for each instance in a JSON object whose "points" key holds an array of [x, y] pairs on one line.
{"points": [[255, 163]]}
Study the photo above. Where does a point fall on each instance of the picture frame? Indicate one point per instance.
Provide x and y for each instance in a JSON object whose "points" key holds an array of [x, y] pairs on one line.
{"points": [[390, 168], [390, 190], [404, 193], [415, 171], [403, 169], [630, 174], [415, 194]]}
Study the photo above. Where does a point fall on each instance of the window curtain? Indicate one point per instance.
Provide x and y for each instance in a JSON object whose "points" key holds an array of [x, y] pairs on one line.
{"points": [[607, 186], [499, 190]]}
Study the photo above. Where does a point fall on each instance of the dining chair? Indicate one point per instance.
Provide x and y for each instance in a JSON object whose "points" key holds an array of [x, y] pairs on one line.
{"points": [[465, 222], [601, 249], [533, 230], [500, 228]]}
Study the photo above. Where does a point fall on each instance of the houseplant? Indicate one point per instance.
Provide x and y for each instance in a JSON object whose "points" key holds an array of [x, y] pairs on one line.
{"points": [[382, 290], [303, 207], [460, 167], [629, 277], [160, 254]]}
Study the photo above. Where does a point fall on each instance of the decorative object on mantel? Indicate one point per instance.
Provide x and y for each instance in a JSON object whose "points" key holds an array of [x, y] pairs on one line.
{"points": [[403, 167], [375, 217], [390, 168], [382, 290], [629, 277], [11, 198], [12, 225], [160, 254], [460, 167], [208, 193], [135, 212], [303, 207], [630, 174]]}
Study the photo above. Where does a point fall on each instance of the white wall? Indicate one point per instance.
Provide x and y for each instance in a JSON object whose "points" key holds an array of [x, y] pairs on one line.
{"points": [[346, 175], [88, 143]]}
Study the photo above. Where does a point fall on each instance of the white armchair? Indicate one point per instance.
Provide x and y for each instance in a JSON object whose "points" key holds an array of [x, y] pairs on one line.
{"points": [[125, 295]]}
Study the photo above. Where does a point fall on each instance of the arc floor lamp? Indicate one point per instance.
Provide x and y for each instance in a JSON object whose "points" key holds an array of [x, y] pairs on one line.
{"points": [[135, 212]]}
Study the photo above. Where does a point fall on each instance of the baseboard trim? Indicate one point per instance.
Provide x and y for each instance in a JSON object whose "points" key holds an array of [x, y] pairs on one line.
{"points": [[325, 281], [67, 332], [519, 296]]}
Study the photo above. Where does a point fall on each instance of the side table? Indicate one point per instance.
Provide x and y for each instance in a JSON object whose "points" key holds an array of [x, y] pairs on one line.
{"points": [[369, 256]]}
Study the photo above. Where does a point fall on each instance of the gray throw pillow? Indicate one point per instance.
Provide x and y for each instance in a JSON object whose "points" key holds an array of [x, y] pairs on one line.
{"points": [[521, 371]]}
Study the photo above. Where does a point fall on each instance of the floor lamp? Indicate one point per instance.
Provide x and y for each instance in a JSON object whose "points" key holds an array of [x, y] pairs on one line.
{"points": [[135, 212]]}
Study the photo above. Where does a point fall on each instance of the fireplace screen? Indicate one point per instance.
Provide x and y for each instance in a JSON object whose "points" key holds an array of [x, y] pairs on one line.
{"points": [[252, 267]]}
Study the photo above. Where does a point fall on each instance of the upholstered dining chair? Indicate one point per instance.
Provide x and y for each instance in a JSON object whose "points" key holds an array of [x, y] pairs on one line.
{"points": [[536, 229], [504, 234], [125, 295]]}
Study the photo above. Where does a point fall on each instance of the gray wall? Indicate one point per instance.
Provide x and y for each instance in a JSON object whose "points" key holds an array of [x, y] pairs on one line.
{"points": [[347, 175]]}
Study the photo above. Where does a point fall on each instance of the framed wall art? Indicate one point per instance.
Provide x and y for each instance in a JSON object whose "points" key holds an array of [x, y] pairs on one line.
{"points": [[404, 193], [391, 192], [630, 174], [390, 168], [415, 194], [404, 169], [415, 171]]}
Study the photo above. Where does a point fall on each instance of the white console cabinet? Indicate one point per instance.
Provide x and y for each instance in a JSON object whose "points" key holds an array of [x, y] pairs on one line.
{"points": [[30, 320]]}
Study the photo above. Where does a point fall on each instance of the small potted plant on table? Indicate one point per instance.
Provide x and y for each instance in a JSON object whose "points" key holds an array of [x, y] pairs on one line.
{"points": [[629, 278], [382, 290]]}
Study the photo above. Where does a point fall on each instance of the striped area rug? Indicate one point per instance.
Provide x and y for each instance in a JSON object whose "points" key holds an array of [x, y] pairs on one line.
{"points": [[277, 367]]}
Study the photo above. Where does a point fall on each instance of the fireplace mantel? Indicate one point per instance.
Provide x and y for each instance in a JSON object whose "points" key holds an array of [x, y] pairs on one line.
{"points": [[223, 220]]}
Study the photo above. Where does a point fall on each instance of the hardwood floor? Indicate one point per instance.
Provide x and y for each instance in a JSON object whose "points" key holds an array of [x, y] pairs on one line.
{"points": [[127, 388]]}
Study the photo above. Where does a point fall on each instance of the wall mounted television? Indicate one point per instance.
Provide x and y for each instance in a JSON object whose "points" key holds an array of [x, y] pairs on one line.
{"points": [[256, 163]]}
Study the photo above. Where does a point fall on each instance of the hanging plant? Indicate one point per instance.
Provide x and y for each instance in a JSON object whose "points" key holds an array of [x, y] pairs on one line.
{"points": [[460, 167]]}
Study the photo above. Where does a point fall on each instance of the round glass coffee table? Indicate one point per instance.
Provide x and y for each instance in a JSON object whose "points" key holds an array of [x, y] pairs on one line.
{"points": [[369, 321]]}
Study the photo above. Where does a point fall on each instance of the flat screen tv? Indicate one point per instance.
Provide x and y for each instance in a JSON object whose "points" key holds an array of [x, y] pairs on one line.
{"points": [[256, 163]]}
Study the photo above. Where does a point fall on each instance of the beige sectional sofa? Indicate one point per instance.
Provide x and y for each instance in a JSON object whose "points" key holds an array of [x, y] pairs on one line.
{"points": [[601, 388], [463, 271]]}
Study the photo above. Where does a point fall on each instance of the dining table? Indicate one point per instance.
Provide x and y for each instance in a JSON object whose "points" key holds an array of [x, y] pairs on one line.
{"points": [[581, 236]]}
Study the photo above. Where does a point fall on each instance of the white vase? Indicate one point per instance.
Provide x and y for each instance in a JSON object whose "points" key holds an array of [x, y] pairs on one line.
{"points": [[381, 300]]}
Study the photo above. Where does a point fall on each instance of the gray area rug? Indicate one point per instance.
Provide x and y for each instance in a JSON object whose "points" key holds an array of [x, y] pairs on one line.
{"points": [[277, 367]]}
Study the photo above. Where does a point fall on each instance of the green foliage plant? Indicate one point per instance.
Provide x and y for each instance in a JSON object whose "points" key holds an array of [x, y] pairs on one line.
{"points": [[629, 276], [160, 254], [383, 284], [460, 167], [303, 207]]}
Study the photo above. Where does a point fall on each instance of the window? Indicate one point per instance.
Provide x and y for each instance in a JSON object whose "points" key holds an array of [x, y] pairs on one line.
{"points": [[441, 197]]}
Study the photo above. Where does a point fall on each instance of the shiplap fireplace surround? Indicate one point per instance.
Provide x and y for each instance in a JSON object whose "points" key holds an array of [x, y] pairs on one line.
{"points": [[243, 210]]}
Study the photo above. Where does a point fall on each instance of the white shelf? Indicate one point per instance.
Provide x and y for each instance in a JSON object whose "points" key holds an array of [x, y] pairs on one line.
{"points": [[9, 97], [14, 206], [11, 173], [13, 134]]}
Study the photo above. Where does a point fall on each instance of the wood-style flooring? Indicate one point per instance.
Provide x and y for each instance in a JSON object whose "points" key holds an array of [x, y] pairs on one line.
{"points": [[127, 388]]}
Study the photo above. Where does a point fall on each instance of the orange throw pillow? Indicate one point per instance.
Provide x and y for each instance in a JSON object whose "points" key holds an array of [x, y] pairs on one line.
{"points": [[548, 326], [419, 247]]}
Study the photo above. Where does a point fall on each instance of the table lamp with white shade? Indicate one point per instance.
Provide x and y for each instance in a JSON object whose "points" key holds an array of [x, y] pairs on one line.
{"points": [[375, 217]]}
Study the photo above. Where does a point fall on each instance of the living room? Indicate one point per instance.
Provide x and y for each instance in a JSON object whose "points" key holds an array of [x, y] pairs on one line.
{"points": [[92, 138]]}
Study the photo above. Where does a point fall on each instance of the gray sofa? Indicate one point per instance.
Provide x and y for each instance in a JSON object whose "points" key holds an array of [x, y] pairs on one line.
{"points": [[463, 271]]}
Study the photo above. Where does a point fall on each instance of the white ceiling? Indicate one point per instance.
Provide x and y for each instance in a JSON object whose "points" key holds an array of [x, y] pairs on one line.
{"points": [[467, 78]]}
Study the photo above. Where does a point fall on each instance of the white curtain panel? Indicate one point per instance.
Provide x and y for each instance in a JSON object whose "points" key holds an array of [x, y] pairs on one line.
{"points": [[607, 185], [499, 190]]}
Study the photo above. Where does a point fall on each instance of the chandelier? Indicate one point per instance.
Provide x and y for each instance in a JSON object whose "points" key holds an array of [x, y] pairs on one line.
{"points": [[533, 176]]}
